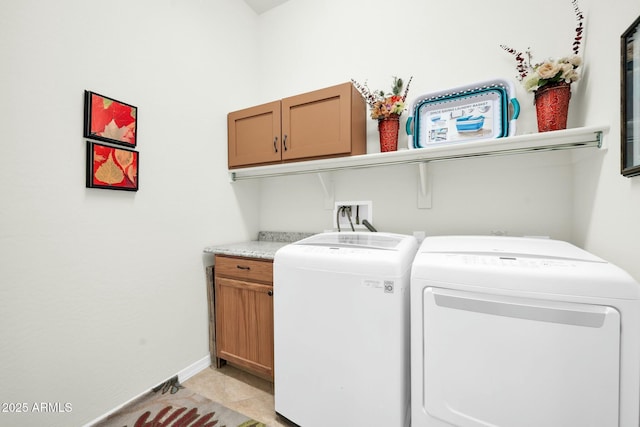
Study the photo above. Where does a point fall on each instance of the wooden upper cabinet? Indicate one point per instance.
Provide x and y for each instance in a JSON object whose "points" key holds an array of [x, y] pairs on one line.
{"points": [[328, 122], [254, 135]]}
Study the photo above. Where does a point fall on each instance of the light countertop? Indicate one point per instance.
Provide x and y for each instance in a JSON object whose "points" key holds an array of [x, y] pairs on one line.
{"points": [[265, 247]]}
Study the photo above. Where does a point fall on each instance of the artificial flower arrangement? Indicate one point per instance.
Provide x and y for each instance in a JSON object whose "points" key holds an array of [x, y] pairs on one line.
{"points": [[551, 71], [384, 105]]}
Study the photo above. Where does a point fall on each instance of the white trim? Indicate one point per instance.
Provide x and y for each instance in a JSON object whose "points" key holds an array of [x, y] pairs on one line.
{"points": [[183, 375], [194, 368], [117, 408]]}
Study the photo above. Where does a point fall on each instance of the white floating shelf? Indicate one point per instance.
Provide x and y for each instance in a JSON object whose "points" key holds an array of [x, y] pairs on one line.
{"points": [[585, 137]]}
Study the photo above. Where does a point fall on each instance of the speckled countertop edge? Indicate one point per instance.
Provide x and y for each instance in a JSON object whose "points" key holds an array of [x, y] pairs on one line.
{"points": [[265, 247]]}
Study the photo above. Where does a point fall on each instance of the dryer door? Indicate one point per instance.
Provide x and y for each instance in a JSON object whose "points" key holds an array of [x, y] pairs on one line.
{"points": [[504, 361]]}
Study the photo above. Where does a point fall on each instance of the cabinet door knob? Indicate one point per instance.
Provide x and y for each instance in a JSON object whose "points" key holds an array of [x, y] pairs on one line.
{"points": [[242, 267], [275, 143], [270, 293], [284, 142]]}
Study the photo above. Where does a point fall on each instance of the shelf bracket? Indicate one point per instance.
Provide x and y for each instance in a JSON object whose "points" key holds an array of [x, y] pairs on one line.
{"points": [[599, 138], [424, 186], [327, 189]]}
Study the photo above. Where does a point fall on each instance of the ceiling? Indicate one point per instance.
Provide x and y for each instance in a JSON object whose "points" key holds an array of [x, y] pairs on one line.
{"points": [[260, 6]]}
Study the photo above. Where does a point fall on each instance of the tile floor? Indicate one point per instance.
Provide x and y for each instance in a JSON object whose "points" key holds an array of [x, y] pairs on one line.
{"points": [[240, 391]]}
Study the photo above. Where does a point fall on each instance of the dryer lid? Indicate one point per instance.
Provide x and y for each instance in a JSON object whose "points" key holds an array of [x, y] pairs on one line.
{"points": [[528, 247], [529, 265]]}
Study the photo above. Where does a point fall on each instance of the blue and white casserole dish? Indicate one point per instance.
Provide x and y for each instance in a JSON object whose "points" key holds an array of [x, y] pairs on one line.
{"points": [[483, 110]]}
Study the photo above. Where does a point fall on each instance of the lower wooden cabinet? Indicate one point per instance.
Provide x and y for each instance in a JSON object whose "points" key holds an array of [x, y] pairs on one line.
{"points": [[244, 313]]}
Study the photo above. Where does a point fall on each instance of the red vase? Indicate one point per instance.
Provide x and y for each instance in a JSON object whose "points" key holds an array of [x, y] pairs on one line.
{"points": [[552, 106], [388, 129]]}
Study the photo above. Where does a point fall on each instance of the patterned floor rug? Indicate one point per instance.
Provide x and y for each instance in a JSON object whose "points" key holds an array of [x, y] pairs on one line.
{"points": [[172, 405]]}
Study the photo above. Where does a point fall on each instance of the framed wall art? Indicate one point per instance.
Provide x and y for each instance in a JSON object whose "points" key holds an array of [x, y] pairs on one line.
{"points": [[109, 120], [630, 100], [111, 168]]}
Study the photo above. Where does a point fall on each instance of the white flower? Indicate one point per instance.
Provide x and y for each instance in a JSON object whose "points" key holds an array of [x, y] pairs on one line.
{"points": [[566, 69], [575, 60], [531, 83], [573, 76], [548, 70]]}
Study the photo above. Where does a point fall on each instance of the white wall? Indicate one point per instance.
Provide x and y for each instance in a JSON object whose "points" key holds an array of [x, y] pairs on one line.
{"points": [[607, 205], [102, 293], [576, 197]]}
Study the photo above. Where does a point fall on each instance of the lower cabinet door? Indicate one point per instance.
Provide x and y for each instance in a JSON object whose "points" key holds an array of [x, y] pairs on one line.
{"points": [[244, 325]]}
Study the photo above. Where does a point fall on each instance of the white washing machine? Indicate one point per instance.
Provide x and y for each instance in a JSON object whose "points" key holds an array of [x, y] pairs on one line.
{"points": [[522, 332], [341, 329]]}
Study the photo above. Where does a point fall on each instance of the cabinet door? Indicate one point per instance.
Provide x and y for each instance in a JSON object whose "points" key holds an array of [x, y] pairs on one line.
{"points": [[254, 135], [244, 325], [327, 122]]}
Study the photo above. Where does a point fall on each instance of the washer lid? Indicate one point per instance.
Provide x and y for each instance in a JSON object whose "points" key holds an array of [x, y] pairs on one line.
{"points": [[365, 240]]}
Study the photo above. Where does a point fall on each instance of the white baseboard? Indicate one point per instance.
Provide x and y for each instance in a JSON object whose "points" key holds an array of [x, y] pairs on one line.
{"points": [[183, 375], [194, 368]]}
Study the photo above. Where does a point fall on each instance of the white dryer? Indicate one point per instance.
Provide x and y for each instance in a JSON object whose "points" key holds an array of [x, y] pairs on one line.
{"points": [[341, 329], [516, 332]]}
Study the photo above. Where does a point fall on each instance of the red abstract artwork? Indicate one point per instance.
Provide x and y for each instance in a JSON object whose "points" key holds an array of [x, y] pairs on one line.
{"points": [[112, 168], [109, 120]]}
